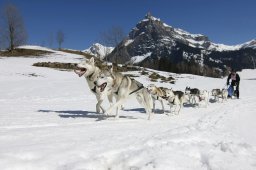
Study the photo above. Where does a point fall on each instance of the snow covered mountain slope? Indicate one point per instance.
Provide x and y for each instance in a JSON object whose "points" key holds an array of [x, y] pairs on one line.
{"points": [[48, 121], [98, 50], [154, 44]]}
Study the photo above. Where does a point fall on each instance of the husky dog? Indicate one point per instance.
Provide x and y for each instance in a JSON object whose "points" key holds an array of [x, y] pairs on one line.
{"points": [[193, 95], [157, 93], [218, 93], [204, 97], [91, 72], [176, 98], [124, 87], [224, 93]]}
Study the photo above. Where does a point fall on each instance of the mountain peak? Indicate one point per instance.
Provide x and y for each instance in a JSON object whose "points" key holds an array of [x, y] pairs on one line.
{"points": [[99, 50], [156, 29], [149, 16], [250, 44], [154, 44]]}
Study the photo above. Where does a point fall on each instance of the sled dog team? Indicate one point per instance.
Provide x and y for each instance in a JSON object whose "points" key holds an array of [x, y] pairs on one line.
{"points": [[106, 83]]}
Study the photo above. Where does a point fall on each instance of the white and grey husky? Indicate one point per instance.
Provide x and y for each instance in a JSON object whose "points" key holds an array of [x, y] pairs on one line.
{"points": [[193, 95], [157, 93], [204, 97], [220, 94], [91, 73], [124, 87], [176, 98]]}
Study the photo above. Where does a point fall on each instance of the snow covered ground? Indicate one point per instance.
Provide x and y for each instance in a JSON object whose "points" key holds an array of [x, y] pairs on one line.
{"points": [[48, 122]]}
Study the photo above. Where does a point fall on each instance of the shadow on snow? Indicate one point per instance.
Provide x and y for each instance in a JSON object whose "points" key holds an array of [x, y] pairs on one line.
{"points": [[83, 114]]}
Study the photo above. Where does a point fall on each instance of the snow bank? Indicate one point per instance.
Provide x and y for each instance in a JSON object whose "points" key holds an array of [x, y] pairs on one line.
{"points": [[35, 47]]}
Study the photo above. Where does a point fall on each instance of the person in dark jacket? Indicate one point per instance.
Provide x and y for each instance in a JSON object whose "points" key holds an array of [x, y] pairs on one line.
{"points": [[235, 81]]}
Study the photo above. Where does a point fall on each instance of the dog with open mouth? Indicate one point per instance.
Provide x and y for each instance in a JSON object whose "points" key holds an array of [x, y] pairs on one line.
{"points": [[102, 81], [123, 87], [80, 71], [102, 87], [91, 73]]}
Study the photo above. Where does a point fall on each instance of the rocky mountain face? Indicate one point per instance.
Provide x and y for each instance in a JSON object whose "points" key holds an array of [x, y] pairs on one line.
{"points": [[156, 45], [99, 50]]}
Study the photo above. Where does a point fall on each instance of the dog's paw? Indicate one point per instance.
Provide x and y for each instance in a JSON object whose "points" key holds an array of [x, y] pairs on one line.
{"points": [[106, 113], [98, 110]]}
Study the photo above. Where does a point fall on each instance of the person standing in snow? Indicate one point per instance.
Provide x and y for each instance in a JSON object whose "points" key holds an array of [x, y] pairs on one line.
{"points": [[235, 81]]}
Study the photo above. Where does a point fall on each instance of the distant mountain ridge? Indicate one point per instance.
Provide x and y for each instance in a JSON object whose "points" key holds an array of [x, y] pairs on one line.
{"points": [[98, 50], [154, 44]]}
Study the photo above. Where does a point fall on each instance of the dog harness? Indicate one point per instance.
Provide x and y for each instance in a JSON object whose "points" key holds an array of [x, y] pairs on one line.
{"points": [[90, 76], [156, 98], [94, 89], [139, 87]]}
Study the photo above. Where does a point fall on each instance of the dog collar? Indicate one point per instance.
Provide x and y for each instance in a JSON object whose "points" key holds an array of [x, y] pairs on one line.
{"points": [[90, 76], [94, 89]]}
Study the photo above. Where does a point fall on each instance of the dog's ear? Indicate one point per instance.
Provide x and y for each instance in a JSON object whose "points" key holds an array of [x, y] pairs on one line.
{"points": [[91, 60]]}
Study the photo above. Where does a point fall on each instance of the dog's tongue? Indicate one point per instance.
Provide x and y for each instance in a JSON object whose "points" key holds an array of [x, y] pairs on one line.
{"points": [[79, 73], [102, 87]]}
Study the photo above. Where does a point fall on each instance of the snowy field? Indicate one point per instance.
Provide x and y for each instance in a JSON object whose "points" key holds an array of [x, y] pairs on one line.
{"points": [[48, 122]]}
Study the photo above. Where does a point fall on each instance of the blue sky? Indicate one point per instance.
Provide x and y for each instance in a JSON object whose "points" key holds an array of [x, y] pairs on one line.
{"points": [[223, 21]]}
